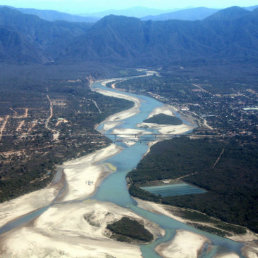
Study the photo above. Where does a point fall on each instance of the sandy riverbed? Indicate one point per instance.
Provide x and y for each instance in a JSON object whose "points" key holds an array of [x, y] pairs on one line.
{"points": [[27, 203], [83, 174], [73, 230], [184, 245]]}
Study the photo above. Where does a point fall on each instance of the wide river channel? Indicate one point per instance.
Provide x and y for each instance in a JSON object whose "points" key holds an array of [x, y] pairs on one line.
{"points": [[114, 187]]}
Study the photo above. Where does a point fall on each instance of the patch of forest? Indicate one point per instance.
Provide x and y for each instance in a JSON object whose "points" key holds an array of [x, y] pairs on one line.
{"points": [[164, 119], [127, 230], [227, 169]]}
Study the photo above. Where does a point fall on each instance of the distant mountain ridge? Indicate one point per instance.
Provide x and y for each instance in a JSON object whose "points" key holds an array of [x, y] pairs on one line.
{"points": [[192, 14], [51, 15], [189, 14], [137, 12], [229, 35]]}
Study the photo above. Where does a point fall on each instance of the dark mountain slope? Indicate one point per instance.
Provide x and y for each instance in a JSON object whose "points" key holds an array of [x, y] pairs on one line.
{"points": [[231, 13], [112, 38], [48, 37], [237, 33], [117, 38], [230, 35], [14, 47]]}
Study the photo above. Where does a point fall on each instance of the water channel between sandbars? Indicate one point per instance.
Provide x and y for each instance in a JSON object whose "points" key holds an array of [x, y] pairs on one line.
{"points": [[114, 188]]}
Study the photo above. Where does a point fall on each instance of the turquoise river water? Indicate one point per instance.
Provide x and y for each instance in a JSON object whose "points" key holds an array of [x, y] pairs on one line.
{"points": [[114, 188]]}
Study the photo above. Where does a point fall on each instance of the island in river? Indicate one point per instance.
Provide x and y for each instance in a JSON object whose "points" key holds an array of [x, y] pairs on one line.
{"points": [[164, 119]]}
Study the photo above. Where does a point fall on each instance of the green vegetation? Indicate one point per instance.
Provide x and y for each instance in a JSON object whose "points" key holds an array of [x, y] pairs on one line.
{"points": [[232, 228], [145, 195], [164, 119], [212, 230], [127, 229], [227, 169], [195, 217], [175, 158]]}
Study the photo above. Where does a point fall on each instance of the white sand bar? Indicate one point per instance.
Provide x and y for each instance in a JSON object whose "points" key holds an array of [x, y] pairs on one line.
{"points": [[74, 230], [167, 129], [251, 250], [124, 114], [129, 136], [157, 208], [227, 255], [24, 204], [184, 245], [166, 110], [83, 174]]}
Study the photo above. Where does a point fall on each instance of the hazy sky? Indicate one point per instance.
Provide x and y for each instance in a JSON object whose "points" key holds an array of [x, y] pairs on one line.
{"points": [[86, 6]]}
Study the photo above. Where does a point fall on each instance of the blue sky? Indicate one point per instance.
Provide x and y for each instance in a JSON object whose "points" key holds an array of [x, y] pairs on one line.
{"points": [[86, 6]]}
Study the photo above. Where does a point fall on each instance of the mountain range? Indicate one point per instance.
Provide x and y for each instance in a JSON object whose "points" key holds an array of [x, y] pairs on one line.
{"points": [[137, 12], [229, 35], [27, 38], [188, 14], [51, 15], [192, 14]]}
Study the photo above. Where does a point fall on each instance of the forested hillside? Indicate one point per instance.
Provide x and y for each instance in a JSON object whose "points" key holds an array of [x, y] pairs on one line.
{"points": [[227, 36]]}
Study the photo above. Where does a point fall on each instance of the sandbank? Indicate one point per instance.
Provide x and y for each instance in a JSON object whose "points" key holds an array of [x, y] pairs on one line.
{"points": [[74, 230], [27, 203], [167, 129], [123, 114], [166, 110], [227, 255], [250, 250], [129, 136], [83, 174], [157, 208], [184, 245], [247, 237]]}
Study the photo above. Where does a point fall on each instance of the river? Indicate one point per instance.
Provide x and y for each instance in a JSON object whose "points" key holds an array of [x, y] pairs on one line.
{"points": [[113, 188], [127, 160]]}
